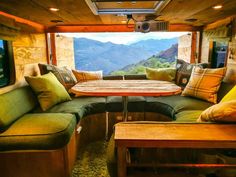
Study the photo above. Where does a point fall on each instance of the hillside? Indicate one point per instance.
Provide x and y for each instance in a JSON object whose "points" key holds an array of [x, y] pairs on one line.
{"points": [[96, 55], [162, 60]]}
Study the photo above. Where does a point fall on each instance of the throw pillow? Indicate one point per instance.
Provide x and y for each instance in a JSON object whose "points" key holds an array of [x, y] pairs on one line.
{"points": [[83, 76], [204, 83], [48, 90], [184, 70], [231, 95], [63, 74], [165, 74], [222, 112]]}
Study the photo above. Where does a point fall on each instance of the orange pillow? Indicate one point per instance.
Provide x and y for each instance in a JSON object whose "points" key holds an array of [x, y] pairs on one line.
{"points": [[83, 76]]}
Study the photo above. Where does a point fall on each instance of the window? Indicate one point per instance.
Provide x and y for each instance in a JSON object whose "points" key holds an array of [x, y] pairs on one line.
{"points": [[7, 71], [124, 53]]}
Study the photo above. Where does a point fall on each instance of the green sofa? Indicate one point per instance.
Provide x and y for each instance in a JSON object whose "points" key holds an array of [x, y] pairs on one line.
{"points": [[25, 128]]}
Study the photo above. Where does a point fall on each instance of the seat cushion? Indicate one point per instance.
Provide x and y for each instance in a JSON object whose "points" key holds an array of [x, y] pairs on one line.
{"points": [[81, 106], [38, 132], [189, 116], [14, 104], [135, 104], [171, 105]]}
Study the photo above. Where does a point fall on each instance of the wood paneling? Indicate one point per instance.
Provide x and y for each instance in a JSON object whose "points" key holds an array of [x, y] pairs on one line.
{"points": [[78, 13], [41, 163]]}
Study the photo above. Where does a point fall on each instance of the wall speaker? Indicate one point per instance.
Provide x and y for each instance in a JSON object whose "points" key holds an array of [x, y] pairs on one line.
{"points": [[147, 26]]}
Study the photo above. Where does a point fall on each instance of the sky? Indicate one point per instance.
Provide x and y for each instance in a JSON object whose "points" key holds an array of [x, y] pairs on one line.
{"points": [[125, 37]]}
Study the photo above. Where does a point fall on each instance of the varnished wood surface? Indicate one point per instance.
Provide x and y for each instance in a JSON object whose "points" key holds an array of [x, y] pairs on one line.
{"points": [[125, 88], [171, 135], [77, 12]]}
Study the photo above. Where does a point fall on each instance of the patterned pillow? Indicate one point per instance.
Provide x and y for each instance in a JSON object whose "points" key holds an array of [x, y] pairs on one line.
{"points": [[204, 83], [63, 74], [184, 70], [83, 76]]}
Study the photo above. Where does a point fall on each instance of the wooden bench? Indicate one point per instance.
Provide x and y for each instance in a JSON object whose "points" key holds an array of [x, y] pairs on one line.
{"points": [[172, 135]]}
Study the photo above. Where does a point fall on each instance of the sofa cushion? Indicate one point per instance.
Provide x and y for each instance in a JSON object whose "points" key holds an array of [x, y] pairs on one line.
{"points": [[165, 74], [48, 90], [63, 74], [81, 106], [171, 105], [184, 70], [221, 112], [14, 104], [83, 76], [38, 132], [135, 104], [204, 83], [189, 116]]}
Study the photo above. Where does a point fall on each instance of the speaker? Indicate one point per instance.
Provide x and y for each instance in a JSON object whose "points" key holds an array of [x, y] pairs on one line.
{"points": [[147, 26]]}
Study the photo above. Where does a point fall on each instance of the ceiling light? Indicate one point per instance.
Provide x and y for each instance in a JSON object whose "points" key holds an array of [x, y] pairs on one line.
{"points": [[217, 7], [123, 21], [53, 9]]}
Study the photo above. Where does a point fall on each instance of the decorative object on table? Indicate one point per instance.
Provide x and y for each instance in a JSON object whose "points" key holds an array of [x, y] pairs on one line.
{"points": [[165, 74], [48, 90], [204, 83], [63, 74], [83, 76]]}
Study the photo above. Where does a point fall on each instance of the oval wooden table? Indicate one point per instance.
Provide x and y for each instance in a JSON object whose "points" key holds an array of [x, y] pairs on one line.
{"points": [[125, 88]]}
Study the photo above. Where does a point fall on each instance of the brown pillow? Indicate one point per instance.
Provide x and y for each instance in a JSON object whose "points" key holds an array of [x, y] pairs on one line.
{"points": [[83, 76], [63, 74], [204, 83]]}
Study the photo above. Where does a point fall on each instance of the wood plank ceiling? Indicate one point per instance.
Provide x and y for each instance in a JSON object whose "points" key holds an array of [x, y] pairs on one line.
{"points": [[77, 12]]}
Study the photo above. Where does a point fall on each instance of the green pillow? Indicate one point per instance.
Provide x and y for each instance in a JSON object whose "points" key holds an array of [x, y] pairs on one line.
{"points": [[48, 90], [231, 95], [164, 74]]}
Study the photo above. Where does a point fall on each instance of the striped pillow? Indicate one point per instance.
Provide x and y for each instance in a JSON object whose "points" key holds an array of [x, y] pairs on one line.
{"points": [[83, 76], [204, 83]]}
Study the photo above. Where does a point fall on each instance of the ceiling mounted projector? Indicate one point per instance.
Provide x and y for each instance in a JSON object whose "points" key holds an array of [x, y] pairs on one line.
{"points": [[147, 26]]}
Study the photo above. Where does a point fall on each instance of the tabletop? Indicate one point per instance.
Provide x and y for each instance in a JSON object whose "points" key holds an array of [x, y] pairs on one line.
{"points": [[125, 88]]}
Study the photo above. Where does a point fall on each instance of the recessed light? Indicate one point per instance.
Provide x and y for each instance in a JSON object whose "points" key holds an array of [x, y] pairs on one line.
{"points": [[53, 9], [217, 7]]}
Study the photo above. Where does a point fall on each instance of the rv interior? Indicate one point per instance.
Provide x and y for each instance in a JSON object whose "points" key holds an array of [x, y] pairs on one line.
{"points": [[60, 116]]}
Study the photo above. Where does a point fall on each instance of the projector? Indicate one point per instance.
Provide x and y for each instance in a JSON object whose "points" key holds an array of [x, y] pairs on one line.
{"points": [[147, 26]]}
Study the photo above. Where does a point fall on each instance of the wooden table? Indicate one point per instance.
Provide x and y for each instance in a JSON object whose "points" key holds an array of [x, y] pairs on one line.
{"points": [[125, 88], [172, 135]]}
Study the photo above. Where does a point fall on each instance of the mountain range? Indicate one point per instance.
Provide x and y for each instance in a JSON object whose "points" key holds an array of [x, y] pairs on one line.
{"points": [[96, 55]]}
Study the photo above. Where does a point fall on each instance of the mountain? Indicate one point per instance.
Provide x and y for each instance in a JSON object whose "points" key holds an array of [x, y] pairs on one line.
{"points": [[162, 60], [154, 46], [96, 55]]}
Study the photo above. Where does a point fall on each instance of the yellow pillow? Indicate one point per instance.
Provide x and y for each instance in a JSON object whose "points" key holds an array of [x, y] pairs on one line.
{"points": [[48, 90], [165, 74], [204, 83], [231, 95], [222, 112], [83, 76]]}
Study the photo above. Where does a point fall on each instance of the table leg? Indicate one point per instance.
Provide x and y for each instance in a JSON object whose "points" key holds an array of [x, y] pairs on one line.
{"points": [[121, 164], [125, 108]]}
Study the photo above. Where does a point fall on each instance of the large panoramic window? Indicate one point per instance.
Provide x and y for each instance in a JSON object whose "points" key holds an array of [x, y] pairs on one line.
{"points": [[125, 53]]}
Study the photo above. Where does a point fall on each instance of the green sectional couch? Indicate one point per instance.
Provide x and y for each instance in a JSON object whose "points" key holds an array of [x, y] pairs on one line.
{"points": [[27, 133]]}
